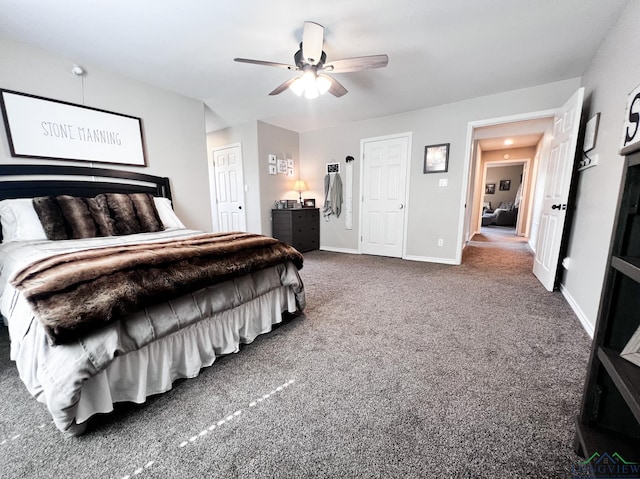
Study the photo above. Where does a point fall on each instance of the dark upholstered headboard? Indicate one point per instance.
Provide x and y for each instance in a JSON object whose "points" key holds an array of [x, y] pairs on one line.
{"points": [[29, 181]]}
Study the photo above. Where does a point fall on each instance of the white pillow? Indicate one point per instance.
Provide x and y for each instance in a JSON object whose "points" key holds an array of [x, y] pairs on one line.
{"points": [[20, 222], [166, 213]]}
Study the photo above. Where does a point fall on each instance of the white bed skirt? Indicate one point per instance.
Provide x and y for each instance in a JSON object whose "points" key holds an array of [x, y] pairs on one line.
{"points": [[152, 370]]}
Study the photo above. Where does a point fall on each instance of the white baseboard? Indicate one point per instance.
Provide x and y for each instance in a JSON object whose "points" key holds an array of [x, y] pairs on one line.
{"points": [[427, 259], [424, 259], [532, 246], [586, 324], [340, 250]]}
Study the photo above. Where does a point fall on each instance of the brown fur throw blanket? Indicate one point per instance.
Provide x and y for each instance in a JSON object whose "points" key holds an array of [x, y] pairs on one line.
{"points": [[72, 293]]}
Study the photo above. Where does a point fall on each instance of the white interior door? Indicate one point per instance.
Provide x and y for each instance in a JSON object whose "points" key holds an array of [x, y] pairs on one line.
{"points": [[384, 179], [229, 185], [559, 171]]}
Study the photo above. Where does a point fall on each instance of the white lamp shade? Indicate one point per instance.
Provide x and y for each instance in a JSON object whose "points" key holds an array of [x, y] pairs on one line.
{"points": [[300, 185], [323, 83], [311, 85], [297, 86]]}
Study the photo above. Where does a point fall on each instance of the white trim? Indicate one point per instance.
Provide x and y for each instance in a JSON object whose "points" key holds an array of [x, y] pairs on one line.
{"points": [[340, 250], [423, 259], [212, 183], [409, 136], [469, 157], [521, 229], [428, 259], [586, 324]]}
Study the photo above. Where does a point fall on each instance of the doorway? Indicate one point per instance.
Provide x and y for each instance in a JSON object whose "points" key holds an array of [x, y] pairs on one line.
{"points": [[226, 182], [505, 198], [554, 158], [517, 142]]}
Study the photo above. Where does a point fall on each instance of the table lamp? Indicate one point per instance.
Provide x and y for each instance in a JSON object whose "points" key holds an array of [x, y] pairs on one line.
{"points": [[300, 186]]}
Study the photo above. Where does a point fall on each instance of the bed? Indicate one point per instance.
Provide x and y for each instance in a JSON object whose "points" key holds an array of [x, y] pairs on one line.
{"points": [[112, 348]]}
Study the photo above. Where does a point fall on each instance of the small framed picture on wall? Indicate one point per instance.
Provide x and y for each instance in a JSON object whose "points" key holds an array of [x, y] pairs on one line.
{"points": [[436, 158], [505, 185]]}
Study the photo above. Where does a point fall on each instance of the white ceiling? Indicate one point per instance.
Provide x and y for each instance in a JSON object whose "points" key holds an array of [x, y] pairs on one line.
{"points": [[521, 141], [439, 51], [522, 134]]}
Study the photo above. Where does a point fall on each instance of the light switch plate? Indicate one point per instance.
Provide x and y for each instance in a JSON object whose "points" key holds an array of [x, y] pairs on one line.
{"points": [[443, 182]]}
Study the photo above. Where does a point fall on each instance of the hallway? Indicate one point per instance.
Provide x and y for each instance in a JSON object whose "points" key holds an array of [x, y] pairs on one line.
{"points": [[498, 234], [499, 248]]}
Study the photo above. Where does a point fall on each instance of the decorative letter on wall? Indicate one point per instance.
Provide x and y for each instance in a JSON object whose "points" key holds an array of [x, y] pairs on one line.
{"points": [[42, 128], [631, 129]]}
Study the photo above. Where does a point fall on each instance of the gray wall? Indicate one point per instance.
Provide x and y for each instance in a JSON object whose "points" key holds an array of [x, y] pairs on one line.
{"points": [[258, 140], [174, 129], [433, 211], [497, 173], [247, 135], [613, 73], [284, 144]]}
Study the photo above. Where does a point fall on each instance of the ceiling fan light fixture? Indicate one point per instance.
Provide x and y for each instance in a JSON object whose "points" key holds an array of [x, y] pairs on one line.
{"points": [[323, 84], [311, 59], [297, 86], [311, 93]]}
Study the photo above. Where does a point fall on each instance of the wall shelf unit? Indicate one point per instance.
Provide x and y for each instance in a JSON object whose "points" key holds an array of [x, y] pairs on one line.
{"points": [[609, 420]]}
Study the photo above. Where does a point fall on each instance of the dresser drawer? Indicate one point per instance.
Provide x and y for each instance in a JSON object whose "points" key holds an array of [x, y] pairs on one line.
{"points": [[298, 227]]}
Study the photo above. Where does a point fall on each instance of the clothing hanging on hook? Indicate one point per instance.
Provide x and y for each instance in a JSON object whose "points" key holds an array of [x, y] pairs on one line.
{"points": [[332, 195]]}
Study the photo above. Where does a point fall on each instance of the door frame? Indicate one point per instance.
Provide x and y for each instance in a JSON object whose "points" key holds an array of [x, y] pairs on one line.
{"points": [[212, 183], [467, 191], [476, 221], [409, 136]]}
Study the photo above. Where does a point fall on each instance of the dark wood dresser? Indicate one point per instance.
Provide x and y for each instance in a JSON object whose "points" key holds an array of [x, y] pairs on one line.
{"points": [[299, 227]]}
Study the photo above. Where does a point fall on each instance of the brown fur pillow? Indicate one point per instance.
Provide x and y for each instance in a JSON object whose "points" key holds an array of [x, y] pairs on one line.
{"points": [[77, 216], [100, 213], [53, 222], [146, 211], [123, 213]]}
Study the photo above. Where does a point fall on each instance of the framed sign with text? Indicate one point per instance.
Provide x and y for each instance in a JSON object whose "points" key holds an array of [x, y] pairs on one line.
{"points": [[630, 131], [51, 129]]}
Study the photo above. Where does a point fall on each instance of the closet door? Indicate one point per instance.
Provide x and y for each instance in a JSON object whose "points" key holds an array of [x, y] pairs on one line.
{"points": [[384, 179]]}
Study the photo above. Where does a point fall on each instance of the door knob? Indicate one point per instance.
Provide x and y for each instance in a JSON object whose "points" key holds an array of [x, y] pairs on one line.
{"points": [[239, 207], [401, 206], [559, 207]]}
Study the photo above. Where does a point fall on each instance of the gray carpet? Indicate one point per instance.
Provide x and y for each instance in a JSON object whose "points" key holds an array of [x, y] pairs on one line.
{"points": [[397, 369]]}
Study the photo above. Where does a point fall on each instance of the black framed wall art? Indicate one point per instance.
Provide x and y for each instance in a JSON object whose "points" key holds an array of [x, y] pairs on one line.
{"points": [[436, 158], [40, 127]]}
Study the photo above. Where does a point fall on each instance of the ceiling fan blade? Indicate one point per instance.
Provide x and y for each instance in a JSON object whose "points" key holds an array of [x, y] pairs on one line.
{"points": [[266, 64], [357, 63], [336, 88], [283, 87], [312, 39]]}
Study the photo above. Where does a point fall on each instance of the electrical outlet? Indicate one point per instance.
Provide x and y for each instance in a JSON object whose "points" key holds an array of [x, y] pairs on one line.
{"points": [[440, 242]]}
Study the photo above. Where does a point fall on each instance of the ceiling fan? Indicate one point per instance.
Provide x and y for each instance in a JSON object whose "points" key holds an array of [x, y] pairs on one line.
{"points": [[311, 60]]}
